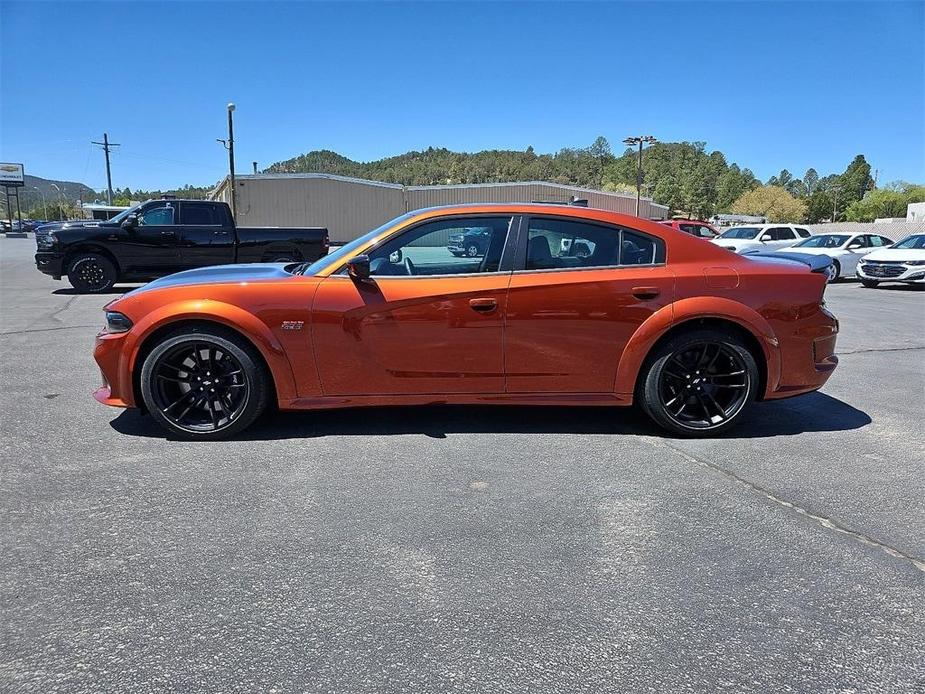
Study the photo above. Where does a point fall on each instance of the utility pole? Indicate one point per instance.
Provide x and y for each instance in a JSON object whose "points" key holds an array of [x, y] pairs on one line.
{"points": [[229, 145], [639, 140], [106, 145]]}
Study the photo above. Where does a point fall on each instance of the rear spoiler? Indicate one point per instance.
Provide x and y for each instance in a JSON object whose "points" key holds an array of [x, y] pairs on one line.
{"points": [[816, 263]]}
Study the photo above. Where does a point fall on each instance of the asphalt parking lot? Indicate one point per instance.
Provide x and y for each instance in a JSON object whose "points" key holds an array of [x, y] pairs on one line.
{"points": [[461, 549]]}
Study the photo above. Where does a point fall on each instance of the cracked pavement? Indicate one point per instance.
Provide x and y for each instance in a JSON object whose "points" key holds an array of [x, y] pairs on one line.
{"points": [[461, 549]]}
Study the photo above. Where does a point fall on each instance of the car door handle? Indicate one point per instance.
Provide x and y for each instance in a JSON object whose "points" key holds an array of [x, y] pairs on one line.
{"points": [[167, 232], [485, 305], [646, 292]]}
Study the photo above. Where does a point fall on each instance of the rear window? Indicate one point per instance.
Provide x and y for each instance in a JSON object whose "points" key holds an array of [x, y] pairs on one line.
{"points": [[199, 214]]}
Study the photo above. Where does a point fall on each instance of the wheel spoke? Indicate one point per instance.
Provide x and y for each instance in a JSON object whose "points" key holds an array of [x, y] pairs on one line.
{"points": [[173, 380], [177, 402]]}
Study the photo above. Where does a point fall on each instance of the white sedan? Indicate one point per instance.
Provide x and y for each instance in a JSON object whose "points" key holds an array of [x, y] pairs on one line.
{"points": [[760, 237], [902, 262], [845, 250]]}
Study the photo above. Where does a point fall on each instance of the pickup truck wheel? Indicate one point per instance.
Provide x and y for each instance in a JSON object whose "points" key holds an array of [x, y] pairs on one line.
{"points": [[91, 273], [472, 251], [699, 383], [205, 384]]}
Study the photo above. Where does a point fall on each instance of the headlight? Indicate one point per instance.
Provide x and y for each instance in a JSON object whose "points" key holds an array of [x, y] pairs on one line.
{"points": [[117, 322], [914, 262], [46, 240]]}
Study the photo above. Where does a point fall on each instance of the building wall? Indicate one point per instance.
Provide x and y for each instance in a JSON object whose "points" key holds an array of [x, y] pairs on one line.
{"points": [[892, 230], [350, 208]]}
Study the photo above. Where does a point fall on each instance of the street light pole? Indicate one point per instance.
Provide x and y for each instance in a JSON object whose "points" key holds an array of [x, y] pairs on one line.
{"points": [[44, 204], [234, 200], [61, 195], [639, 140]]}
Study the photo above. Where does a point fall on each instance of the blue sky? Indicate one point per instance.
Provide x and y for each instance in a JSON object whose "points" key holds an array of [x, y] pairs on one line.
{"points": [[773, 85]]}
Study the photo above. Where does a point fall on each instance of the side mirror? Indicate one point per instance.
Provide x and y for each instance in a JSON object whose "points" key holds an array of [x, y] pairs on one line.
{"points": [[852, 246], [130, 222], [765, 237], [396, 256], [358, 267]]}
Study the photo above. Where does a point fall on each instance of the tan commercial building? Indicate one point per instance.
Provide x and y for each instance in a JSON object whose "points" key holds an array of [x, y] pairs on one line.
{"points": [[349, 207]]}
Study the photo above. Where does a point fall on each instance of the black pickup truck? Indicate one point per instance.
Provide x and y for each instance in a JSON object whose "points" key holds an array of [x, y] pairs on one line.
{"points": [[160, 237]]}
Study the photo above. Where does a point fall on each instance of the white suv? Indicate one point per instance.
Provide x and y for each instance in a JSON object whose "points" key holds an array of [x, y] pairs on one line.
{"points": [[759, 237]]}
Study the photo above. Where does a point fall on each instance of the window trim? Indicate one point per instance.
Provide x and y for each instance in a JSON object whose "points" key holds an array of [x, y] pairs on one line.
{"points": [[520, 262], [507, 250]]}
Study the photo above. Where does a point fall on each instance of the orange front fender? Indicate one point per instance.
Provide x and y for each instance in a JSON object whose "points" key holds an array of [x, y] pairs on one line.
{"points": [[690, 309], [229, 315]]}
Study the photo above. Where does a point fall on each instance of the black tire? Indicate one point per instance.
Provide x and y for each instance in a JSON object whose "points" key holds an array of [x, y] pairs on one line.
{"points": [[870, 284], [204, 370], [709, 371], [472, 250], [91, 273]]}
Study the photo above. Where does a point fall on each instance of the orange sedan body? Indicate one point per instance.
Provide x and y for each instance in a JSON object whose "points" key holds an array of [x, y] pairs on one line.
{"points": [[567, 305]]}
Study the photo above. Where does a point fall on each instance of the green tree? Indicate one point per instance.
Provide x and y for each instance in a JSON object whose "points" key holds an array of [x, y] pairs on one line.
{"points": [[810, 181], [773, 202], [890, 201], [856, 180], [600, 150]]}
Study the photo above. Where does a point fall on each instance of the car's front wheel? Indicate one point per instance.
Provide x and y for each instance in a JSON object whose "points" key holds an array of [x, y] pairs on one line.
{"points": [[699, 383], [472, 250], [204, 383], [91, 273], [834, 271]]}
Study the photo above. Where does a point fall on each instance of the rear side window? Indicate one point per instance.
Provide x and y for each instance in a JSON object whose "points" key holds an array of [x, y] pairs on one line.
{"points": [[560, 244], [199, 214]]}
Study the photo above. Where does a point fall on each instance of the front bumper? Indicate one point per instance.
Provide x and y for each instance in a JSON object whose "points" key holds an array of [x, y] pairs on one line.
{"points": [[50, 263], [109, 354], [898, 272]]}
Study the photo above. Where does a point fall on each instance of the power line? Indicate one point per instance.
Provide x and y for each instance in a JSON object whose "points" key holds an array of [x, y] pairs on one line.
{"points": [[106, 145]]}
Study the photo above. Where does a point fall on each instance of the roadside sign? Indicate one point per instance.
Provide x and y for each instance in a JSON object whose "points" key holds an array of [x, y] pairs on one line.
{"points": [[11, 175]]}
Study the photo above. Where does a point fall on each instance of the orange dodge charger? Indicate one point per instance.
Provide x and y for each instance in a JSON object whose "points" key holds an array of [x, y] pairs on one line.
{"points": [[522, 304]]}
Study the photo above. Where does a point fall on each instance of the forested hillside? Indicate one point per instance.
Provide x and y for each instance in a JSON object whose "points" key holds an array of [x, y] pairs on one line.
{"points": [[683, 175]]}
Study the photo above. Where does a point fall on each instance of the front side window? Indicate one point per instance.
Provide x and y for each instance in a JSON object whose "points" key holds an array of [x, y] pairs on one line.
{"points": [[780, 233], [740, 233], [454, 246], [823, 241], [557, 244], [157, 216]]}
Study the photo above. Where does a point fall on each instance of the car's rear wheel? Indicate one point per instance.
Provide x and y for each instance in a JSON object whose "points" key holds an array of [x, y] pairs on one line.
{"points": [[699, 383], [834, 271], [204, 383], [91, 273], [870, 284], [472, 250]]}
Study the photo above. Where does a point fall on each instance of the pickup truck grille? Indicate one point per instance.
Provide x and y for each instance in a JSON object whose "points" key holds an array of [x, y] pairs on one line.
{"points": [[876, 268]]}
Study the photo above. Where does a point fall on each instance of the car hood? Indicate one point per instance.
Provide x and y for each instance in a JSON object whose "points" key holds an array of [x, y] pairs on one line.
{"points": [[78, 224], [220, 274], [896, 254]]}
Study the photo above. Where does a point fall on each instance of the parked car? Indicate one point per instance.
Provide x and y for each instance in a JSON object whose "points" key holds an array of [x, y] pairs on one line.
{"points": [[904, 261], [760, 237], [160, 237], [470, 242], [690, 332], [694, 227], [845, 250]]}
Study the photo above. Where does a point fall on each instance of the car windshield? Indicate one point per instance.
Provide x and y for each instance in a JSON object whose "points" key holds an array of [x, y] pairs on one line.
{"points": [[916, 241], [334, 256], [740, 233], [125, 213], [823, 241]]}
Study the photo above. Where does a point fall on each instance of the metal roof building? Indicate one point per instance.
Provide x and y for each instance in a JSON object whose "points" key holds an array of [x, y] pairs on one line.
{"points": [[349, 207]]}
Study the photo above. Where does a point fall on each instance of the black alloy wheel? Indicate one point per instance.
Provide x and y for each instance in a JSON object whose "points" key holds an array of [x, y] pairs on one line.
{"points": [[700, 383], [91, 273], [204, 384]]}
